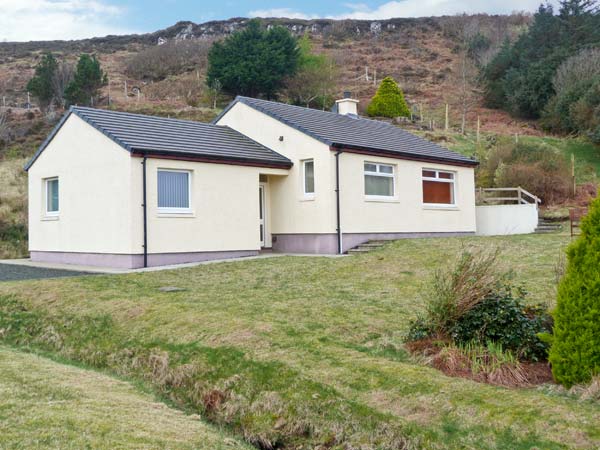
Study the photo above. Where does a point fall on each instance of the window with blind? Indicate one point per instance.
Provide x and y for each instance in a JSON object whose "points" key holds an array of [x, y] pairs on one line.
{"points": [[438, 187], [174, 191], [52, 204], [379, 180]]}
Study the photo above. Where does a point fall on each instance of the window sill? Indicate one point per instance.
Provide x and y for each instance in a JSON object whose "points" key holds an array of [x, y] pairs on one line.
{"points": [[307, 198], [50, 218], [376, 199], [176, 214], [441, 207]]}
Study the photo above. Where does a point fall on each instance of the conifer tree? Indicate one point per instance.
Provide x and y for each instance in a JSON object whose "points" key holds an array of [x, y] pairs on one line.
{"points": [[41, 85], [388, 101], [86, 84], [575, 351]]}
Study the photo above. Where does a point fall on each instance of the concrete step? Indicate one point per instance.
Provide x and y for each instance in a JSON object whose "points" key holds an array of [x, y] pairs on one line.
{"points": [[372, 245], [546, 230], [359, 250]]}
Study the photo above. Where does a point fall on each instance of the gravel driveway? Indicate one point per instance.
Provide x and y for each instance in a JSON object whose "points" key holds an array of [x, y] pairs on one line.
{"points": [[11, 272]]}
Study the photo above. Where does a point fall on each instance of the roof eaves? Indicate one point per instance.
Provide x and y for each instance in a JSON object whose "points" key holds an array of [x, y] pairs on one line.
{"points": [[284, 164], [48, 139], [411, 156]]}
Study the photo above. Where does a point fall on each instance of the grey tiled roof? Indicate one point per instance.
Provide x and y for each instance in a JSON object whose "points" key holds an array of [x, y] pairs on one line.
{"points": [[172, 137], [353, 132]]}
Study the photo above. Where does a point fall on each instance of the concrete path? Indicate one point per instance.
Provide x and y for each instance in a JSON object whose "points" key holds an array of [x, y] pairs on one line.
{"points": [[79, 270]]}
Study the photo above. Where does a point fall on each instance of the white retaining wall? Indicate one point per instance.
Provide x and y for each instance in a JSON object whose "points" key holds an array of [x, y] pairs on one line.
{"points": [[493, 220]]}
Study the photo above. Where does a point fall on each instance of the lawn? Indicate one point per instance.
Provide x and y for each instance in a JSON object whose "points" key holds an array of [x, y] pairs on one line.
{"points": [[44, 404], [302, 351]]}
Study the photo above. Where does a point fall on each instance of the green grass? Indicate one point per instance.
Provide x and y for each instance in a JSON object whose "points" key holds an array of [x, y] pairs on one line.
{"points": [[44, 404], [302, 351]]}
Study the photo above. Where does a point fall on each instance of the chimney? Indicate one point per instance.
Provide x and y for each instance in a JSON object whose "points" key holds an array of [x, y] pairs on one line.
{"points": [[347, 106]]}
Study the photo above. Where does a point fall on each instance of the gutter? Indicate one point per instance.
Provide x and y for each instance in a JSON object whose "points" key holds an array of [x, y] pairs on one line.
{"points": [[337, 201], [145, 210]]}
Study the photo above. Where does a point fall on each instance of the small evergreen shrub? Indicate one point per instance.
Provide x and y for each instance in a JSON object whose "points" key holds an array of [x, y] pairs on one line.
{"points": [[503, 318], [388, 101], [575, 351]]}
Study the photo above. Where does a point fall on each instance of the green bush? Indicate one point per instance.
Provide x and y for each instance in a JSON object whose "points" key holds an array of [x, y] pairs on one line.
{"points": [[388, 101], [575, 351], [504, 319], [476, 303]]}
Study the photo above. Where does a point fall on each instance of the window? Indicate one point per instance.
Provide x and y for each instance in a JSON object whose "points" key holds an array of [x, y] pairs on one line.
{"points": [[379, 180], [174, 191], [438, 187], [51, 196], [308, 169]]}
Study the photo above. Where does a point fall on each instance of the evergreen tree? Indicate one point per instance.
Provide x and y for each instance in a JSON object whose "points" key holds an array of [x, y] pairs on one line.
{"points": [[388, 101], [86, 84], [519, 78], [41, 86], [575, 351], [253, 61]]}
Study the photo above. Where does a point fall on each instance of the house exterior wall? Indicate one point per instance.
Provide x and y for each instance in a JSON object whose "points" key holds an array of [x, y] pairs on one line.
{"points": [[309, 226], [405, 212], [224, 206], [94, 182], [101, 216], [290, 211]]}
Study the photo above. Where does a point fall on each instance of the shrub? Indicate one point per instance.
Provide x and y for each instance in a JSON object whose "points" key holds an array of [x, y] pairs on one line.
{"points": [[538, 168], [388, 101], [474, 302], [503, 318], [173, 58], [575, 351]]}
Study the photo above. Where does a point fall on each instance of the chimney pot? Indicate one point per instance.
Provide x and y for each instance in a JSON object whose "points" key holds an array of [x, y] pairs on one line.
{"points": [[347, 94]]}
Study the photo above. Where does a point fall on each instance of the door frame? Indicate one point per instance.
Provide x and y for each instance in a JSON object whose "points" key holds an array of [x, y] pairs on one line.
{"points": [[262, 213]]}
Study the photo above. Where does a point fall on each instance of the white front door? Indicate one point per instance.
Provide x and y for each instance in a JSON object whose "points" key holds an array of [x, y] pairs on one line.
{"points": [[262, 214]]}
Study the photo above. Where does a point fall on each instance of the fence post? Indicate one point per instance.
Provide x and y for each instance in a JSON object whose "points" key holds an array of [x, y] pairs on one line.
{"points": [[519, 195], [446, 123]]}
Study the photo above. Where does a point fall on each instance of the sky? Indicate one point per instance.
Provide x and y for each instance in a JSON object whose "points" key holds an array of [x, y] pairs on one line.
{"points": [[25, 20]]}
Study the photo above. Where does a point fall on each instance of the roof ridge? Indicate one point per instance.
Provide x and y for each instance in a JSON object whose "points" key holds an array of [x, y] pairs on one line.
{"points": [[147, 116]]}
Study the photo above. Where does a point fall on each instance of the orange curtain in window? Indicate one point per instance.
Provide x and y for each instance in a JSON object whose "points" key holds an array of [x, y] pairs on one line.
{"points": [[436, 192]]}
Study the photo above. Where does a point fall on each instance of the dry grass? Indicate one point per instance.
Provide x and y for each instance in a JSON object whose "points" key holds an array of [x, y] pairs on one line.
{"points": [[48, 405], [13, 209]]}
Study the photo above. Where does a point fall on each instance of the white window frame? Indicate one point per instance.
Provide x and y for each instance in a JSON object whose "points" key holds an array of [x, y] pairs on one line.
{"points": [[377, 173], [46, 197], [437, 178], [187, 210], [308, 195]]}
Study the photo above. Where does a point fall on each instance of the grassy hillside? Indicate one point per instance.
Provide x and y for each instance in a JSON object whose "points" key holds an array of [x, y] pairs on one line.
{"points": [[294, 352], [47, 405]]}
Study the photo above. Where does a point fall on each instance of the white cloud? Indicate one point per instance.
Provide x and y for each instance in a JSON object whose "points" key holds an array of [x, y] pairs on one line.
{"points": [[281, 12], [36, 20], [412, 8]]}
